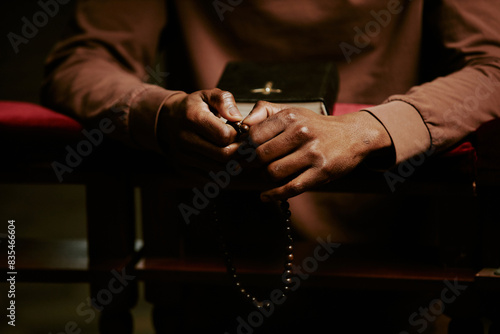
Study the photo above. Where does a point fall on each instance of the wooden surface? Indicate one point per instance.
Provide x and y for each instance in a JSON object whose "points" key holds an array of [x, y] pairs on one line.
{"points": [[349, 267]]}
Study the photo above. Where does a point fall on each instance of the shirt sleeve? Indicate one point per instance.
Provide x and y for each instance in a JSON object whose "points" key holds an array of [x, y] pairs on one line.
{"points": [[99, 70], [441, 112]]}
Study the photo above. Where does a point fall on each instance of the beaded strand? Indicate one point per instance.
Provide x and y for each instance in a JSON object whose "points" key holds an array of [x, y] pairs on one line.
{"points": [[287, 270]]}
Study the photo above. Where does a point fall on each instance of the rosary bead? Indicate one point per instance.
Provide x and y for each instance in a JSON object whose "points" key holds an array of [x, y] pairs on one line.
{"points": [[244, 128], [288, 266]]}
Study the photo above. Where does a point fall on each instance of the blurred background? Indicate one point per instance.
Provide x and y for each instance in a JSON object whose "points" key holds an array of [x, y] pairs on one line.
{"points": [[42, 211]]}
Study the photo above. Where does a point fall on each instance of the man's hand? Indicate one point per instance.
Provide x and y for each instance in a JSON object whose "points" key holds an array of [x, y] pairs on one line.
{"points": [[190, 128], [303, 149]]}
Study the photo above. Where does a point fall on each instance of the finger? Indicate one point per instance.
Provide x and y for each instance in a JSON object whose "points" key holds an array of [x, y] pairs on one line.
{"points": [[303, 182], [195, 143], [223, 102], [202, 121], [266, 130], [288, 166], [276, 147], [261, 111]]}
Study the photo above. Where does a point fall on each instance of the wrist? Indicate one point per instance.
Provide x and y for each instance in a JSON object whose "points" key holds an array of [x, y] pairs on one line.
{"points": [[165, 118], [171, 103], [380, 153]]}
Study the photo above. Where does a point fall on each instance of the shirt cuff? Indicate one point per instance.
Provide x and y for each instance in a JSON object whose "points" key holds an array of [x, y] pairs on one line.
{"points": [[410, 136], [145, 108]]}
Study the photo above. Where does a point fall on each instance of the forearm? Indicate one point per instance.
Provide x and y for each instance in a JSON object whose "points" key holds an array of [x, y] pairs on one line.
{"points": [[454, 106], [98, 71], [91, 91], [462, 64]]}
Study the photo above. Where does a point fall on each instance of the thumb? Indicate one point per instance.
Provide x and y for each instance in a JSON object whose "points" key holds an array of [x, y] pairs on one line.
{"points": [[261, 111], [224, 103]]}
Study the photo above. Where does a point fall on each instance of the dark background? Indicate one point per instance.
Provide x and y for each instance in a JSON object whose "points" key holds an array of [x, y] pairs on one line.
{"points": [[21, 73]]}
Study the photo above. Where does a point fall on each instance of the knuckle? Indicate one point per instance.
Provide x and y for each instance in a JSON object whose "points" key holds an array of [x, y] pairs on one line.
{"points": [[194, 115], [303, 132], [224, 153], [295, 187], [274, 171], [314, 153], [290, 116], [225, 137], [262, 153], [225, 95], [323, 168]]}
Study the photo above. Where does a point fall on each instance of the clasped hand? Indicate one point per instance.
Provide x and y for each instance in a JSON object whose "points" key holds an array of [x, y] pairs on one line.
{"points": [[298, 148]]}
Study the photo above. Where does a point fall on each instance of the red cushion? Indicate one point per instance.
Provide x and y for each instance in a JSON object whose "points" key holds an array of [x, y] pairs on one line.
{"points": [[22, 120]]}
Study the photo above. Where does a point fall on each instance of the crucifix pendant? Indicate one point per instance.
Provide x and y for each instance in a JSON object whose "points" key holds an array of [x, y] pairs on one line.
{"points": [[267, 90]]}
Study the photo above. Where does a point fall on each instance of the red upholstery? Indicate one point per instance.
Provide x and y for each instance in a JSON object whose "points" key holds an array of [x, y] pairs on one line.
{"points": [[22, 120]]}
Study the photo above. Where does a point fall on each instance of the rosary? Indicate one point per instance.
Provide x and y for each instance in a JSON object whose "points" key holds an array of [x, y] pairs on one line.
{"points": [[231, 270]]}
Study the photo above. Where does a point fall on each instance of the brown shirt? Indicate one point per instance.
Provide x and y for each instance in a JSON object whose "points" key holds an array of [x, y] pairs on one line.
{"points": [[431, 67]]}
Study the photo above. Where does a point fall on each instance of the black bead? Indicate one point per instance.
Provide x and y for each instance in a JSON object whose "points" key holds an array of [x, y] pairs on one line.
{"points": [[244, 128], [288, 267]]}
